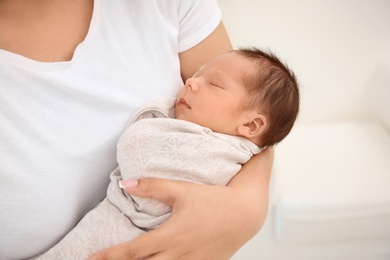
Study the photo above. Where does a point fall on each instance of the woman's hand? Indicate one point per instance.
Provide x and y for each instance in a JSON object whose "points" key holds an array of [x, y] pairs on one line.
{"points": [[208, 222]]}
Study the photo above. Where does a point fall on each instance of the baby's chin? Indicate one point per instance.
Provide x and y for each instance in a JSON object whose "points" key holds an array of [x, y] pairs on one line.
{"points": [[180, 114], [183, 117]]}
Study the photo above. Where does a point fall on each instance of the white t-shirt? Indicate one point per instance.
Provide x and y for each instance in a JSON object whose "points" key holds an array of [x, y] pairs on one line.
{"points": [[60, 121]]}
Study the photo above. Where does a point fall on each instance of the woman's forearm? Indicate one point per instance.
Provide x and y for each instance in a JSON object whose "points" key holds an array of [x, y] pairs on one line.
{"points": [[251, 186]]}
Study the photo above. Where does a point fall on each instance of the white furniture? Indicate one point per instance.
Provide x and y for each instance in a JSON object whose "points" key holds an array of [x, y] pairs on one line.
{"points": [[332, 200], [330, 188]]}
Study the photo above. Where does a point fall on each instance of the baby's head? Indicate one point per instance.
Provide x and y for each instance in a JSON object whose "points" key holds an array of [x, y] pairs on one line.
{"points": [[272, 90], [247, 92]]}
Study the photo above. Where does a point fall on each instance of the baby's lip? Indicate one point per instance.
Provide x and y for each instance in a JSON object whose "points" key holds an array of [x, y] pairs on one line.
{"points": [[182, 101]]}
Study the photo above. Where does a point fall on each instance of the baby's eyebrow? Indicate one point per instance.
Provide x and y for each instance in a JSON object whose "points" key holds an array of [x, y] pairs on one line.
{"points": [[218, 73]]}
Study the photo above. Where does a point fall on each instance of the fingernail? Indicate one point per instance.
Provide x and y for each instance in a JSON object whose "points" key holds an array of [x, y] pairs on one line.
{"points": [[128, 184]]}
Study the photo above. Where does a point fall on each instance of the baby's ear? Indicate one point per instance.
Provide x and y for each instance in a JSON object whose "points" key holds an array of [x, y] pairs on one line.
{"points": [[254, 128]]}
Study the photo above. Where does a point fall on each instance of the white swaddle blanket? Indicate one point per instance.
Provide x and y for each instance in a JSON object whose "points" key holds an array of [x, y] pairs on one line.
{"points": [[153, 145]]}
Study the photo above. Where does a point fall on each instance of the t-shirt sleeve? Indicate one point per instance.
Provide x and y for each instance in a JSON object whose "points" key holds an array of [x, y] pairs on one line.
{"points": [[197, 20]]}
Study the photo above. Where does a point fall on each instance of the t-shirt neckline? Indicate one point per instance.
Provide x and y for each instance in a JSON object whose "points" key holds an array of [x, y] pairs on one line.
{"points": [[20, 60]]}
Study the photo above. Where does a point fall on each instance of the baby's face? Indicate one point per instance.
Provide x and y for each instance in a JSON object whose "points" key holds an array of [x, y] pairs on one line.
{"points": [[213, 96]]}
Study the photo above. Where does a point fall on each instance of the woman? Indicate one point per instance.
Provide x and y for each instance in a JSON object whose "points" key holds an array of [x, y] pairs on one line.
{"points": [[71, 74]]}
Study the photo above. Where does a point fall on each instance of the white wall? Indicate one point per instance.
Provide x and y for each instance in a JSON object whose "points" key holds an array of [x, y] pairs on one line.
{"points": [[338, 49]]}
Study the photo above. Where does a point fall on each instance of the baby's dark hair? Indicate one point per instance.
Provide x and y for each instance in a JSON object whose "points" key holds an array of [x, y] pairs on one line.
{"points": [[273, 89]]}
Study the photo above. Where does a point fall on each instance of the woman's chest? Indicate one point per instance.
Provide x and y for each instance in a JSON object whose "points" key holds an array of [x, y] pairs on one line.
{"points": [[45, 31]]}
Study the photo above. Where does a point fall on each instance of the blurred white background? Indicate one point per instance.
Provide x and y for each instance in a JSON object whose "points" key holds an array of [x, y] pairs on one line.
{"points": [[336, 48], [337, 158]]}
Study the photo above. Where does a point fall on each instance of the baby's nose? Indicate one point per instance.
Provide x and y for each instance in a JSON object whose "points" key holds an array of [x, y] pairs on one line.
{"points": [[192, 84]]}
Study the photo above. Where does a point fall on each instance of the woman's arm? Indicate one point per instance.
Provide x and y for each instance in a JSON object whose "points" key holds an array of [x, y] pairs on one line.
{"points": [[208, 222], [216, 43]]}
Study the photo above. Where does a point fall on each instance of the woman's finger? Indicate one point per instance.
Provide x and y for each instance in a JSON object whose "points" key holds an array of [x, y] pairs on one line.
{"points": [[166, 191]]}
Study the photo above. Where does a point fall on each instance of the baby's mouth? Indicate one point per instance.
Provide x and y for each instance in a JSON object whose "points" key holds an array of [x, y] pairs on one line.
{"points": [[182, 101]]}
